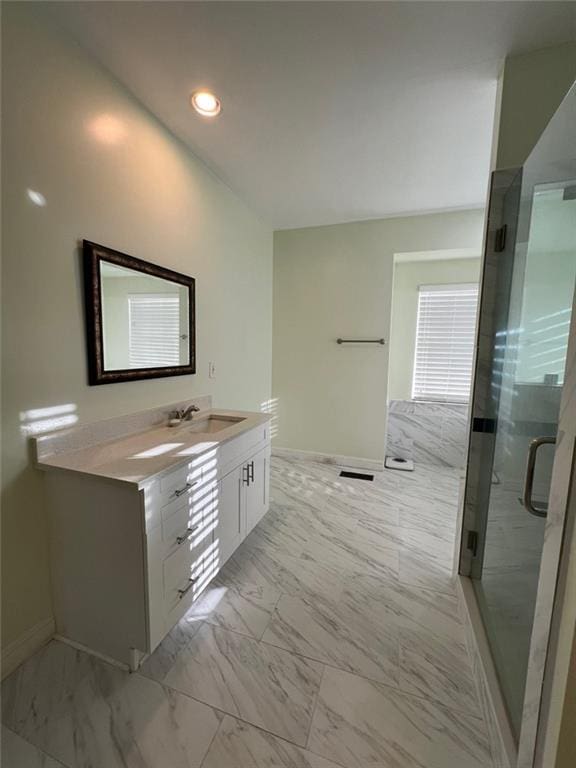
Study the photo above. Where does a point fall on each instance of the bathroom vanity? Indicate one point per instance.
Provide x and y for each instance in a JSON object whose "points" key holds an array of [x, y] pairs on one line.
{"points": [[143, 516]]}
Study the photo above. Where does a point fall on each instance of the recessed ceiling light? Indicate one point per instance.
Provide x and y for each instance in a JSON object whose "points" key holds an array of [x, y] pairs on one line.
{"points": [[36, 197], [205, 103]]}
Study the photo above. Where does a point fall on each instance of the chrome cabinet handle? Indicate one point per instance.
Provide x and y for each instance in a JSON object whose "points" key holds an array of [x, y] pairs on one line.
{"points": [[180, 491], [182, 592], [246, 472], [251, 472], [189, 531], [529, 477]]}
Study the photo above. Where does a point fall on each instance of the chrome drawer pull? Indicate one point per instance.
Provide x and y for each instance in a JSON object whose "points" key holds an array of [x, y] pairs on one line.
{"points": [[182, 592], [187, 487], [189, 532]]}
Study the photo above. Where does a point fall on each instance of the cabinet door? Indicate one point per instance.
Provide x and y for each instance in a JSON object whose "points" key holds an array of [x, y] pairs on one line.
{"points": [[257, 490], [228, 531]]}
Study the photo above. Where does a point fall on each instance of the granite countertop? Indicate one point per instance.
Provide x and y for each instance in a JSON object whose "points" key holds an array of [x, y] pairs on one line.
{"points": [[140, 457]]}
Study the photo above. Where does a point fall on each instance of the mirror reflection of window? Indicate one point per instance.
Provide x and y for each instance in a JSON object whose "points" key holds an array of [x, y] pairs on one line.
{"points": [[154, 330], [145, 320]]}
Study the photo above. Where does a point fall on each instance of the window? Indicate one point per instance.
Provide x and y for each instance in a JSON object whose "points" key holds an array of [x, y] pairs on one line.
{"points": [[154, 328], [445, 334]]}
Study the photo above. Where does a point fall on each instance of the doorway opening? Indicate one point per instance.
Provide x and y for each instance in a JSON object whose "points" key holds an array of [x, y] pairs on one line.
{"points": [[433, 325]]}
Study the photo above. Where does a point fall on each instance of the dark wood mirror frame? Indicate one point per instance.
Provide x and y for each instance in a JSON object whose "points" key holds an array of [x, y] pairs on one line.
{"points": [[93, 254]]}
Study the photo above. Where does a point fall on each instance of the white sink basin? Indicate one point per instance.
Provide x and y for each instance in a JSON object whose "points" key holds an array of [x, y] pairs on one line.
{"points": [[213, 423]]}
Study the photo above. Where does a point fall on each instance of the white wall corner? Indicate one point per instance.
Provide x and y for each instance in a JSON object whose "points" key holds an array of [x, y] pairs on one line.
{"points": [[16, 652]]}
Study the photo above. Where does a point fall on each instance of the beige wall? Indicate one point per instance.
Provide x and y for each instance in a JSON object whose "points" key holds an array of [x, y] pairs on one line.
{"points": [[337, 281], [112, 174], [533, 86], [407, 278]]}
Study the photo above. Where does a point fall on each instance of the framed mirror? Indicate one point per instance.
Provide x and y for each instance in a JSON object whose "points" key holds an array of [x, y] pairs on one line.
{"points": [[140, 318]]}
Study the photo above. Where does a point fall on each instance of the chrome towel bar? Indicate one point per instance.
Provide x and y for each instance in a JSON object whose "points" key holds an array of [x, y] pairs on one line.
{"points": [[360, 341]]}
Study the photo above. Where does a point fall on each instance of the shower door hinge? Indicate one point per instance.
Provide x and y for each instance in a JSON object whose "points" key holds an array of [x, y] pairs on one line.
{"points": [[480, 424], [500, 239], [472, 542]]}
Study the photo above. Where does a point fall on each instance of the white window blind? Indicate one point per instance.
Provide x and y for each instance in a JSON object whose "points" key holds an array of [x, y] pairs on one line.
{"points": [[445, 336], [154, 330]]}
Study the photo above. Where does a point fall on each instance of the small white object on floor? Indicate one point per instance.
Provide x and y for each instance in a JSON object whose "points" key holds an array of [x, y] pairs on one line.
{"points": [[406, 465]]}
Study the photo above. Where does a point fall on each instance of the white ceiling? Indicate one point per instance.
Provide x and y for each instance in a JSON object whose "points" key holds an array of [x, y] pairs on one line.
{"points": [[331, 111]]}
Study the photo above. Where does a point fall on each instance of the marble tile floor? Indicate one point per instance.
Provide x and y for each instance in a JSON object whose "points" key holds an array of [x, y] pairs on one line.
{"points": [[331, 639]]}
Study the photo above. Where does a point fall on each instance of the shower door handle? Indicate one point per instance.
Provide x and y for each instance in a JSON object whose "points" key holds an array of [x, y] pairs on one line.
{"points": [[529, 478]]}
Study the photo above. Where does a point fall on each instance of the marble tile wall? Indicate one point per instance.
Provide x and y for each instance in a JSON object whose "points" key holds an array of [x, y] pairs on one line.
{"points": [[428, 433]]}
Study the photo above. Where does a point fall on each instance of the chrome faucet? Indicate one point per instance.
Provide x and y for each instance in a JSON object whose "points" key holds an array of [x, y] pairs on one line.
{"points": [[185, 414]]}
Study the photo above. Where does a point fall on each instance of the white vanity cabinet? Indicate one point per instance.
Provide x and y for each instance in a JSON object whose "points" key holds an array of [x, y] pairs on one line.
{"points": [[256, 488], [229, 529], [129, 559], [245, 491]]}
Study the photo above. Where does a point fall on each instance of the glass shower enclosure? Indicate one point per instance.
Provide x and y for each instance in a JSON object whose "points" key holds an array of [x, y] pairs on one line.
{"points": [[524, 329]]}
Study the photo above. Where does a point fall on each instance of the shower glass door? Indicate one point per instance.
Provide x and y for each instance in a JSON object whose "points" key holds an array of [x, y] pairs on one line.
{"points": [[534, 281]]}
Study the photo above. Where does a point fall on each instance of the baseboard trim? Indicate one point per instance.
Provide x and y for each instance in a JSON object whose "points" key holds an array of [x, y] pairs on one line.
{"points": [[16, 652], [92, 652], [329, 458], [502, 744]]}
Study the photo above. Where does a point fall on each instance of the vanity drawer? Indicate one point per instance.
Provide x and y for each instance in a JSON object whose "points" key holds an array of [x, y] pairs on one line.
{"points": [[170, 566], [179, 482], [175, 492], [186, 570], [188, 518], [182, 573], [179, 525]]}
